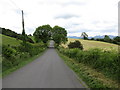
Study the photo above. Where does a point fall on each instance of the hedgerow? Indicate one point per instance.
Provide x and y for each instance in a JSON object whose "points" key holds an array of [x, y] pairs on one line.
{"points": [[101, 60], [13, 55]]}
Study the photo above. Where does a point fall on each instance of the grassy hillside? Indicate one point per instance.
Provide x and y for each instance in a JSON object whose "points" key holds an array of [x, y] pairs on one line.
{"points": [[9, 40], [32, 37], [87, 44]]}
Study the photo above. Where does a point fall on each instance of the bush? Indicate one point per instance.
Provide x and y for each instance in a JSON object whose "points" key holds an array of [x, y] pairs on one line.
{"points": [[8, 52], [104, 61], [13, 56], [76, 44]]}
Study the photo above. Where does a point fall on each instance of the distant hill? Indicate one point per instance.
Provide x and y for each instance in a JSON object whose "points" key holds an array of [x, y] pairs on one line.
{"points": [[75, 37], [102, 36], [98, 36]]}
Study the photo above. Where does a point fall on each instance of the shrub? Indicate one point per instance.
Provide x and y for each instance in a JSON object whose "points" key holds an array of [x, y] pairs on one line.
{"points": [[92, 39], [8, 52], [76, 44], [13, 56], [104, 61]]}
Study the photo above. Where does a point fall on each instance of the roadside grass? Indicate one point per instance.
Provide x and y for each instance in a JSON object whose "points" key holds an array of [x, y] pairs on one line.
{"points": [[88, 44], [9, 40], [90, 76], [32, 37], [21, 64], [13, 56]]}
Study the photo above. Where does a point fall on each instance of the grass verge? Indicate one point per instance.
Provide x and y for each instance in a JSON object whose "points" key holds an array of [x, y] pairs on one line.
{"points": [[23, 63], [90, 76]]}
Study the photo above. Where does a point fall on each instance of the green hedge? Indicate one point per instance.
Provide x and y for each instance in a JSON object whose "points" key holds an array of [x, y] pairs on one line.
{"points": [[13, 55], [103, 61]]}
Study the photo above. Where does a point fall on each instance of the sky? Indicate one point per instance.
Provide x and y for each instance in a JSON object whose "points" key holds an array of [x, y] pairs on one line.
{"points": [[95, 17]]}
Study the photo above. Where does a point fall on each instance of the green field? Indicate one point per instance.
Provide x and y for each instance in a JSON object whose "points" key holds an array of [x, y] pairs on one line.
{"points": [[9, 40], [88, 44]]}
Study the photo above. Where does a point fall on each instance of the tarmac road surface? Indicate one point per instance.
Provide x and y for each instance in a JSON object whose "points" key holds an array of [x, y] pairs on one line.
{"points": [[48, 71]]}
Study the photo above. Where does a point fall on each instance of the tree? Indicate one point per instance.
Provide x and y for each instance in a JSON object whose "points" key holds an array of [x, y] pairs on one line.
{"points": [[107, 38], [117, 38], [84, 35], [76, 44], [92, 39], [29, 35], [59, 35], [42, 33]]}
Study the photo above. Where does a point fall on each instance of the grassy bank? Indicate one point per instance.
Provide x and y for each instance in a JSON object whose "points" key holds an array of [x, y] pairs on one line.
{"points": [[9, 40], [90, 76], [21, 64], [16, 54]]}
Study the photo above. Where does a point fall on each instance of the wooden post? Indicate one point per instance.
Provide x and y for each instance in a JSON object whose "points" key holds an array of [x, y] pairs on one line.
{"points": [[23, 32]]}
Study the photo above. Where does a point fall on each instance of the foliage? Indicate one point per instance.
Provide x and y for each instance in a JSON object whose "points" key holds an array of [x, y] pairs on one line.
{"points": [[59, 35], [42, 33], [14, 51], [46, 32], [90, 76], [115, 40], [76, 44], [107, 38], [13, 55], [93, 44], [101, 60], [92, 39], [13, 34], [9, 40], [8, 52]]}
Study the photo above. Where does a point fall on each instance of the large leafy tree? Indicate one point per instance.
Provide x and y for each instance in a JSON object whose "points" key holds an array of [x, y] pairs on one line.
{"points": [[59, 35], [42, 33]]}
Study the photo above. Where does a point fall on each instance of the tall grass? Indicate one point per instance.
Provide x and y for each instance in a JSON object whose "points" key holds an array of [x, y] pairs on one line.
{"points": [[101, 60], [14, 55]]}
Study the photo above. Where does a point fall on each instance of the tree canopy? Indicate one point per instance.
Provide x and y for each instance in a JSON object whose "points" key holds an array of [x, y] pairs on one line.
{"points": [[107, 38], [42, 33], [46, 32], [59, 35]]}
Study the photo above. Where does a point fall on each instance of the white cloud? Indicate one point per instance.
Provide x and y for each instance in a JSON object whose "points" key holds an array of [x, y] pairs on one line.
{"points": [[96, 17]]}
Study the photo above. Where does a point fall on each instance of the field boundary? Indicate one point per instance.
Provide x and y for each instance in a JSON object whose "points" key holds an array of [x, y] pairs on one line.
{"points": [[87, 76]]}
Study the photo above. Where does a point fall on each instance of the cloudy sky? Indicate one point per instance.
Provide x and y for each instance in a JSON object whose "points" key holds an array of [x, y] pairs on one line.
{"points": [[95, 17]]}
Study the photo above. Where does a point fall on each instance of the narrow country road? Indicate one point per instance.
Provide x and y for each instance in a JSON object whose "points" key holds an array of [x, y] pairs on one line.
{"points": [[48, 71]]}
